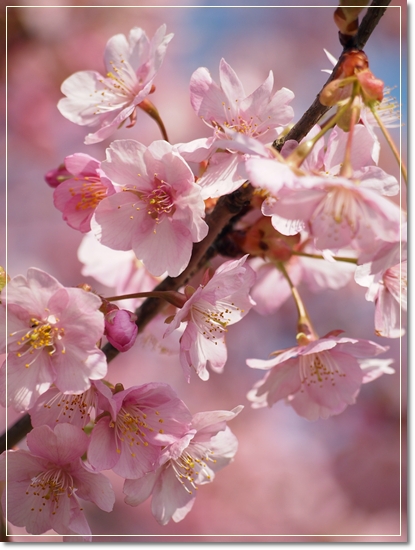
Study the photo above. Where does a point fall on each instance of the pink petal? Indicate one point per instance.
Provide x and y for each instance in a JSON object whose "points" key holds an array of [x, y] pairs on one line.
{"points": [[62, 445], [95, 488], [206, 97], [138, 490], [231, 85]]}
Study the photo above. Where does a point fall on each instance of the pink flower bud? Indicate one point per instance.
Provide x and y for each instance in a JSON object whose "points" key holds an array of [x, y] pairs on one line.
{"points": [[372, 87], [57, 175], [120, 329]]}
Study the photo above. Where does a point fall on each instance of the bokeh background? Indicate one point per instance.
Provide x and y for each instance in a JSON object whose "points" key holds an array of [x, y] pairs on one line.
{"points": [[342, 479]]}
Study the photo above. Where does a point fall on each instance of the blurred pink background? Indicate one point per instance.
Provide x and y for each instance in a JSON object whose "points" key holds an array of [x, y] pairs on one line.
{"points": [[292, 480]]}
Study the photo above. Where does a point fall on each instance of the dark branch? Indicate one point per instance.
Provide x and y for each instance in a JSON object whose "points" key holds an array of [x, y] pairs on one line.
{"points": [[314, 113], [370, 21], [16, 433]]}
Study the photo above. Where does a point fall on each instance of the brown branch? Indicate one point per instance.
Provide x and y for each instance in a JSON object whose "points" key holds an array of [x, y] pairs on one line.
{"points": [[15, 433], [370, 21], [314, 113], [227, 207]]}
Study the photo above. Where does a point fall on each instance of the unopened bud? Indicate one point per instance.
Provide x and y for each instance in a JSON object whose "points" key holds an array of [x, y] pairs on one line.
{"points": [[372, 87], [57, 176], [120, 329], [334, 92], [346, 15]]}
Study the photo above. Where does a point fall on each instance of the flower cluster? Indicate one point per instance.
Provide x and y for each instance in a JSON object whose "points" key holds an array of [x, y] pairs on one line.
{"points": [[321, 212]]}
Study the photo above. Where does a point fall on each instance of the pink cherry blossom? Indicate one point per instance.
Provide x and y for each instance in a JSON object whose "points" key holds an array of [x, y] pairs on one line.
{"points": [[386, 280], [107, 101], [78, 197], [336, 212], [55, 407], [52, 336], [119, 269], [318, 379], [222, 301], [45, 483], [194, 460], [137, 423], [226, 108], [159, 212]]}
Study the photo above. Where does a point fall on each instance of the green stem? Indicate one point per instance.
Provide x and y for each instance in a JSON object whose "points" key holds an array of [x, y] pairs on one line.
{"points": [[347, 168], [320, 257], [390, 143], [173, 297], [305, 328], [298, 156], [147, 106]]}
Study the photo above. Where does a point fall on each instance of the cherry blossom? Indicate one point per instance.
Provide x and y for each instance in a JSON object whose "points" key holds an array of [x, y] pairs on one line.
{"points": [[44, 484], [78, 196], [108, 101], [337, 212], [208, 311], [159, 212], [193, 460], [386, 280], [133, 427], [119, 269], [226, 108], [318, 379], [55, 407], [52, 336]]}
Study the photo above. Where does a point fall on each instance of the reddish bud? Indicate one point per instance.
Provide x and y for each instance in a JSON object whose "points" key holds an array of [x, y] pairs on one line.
{"points": [[57, 175], [372, 88], [120, 329]]}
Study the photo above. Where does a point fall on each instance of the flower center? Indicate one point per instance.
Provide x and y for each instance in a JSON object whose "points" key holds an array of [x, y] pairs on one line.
{"points": [[160, 201], [41, 335], [189, 466], [247, 127], [316, 368], [119, 87], [70, 405], [50, 486], [211, 321], [90, 193], [132, 426]]}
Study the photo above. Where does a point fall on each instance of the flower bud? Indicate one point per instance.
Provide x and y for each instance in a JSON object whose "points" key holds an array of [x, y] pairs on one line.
{"points": [[57, 175], [120, 329], [372, 87]]}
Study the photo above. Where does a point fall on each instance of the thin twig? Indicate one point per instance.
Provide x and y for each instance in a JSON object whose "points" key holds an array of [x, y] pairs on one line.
{"points": [[314, 113]]}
